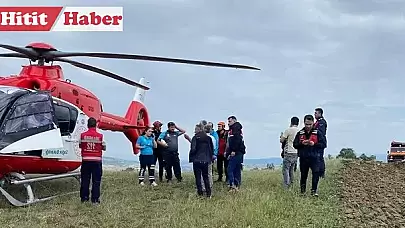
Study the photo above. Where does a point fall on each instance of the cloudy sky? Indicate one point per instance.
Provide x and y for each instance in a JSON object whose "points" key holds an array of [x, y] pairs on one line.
{"points": [[342, 55]]}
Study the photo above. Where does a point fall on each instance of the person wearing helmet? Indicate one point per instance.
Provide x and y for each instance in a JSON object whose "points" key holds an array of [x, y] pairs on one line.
{"points": [[222, 162], [158, 151]]}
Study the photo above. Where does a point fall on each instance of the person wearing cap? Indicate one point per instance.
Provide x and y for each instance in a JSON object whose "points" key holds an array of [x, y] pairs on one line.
{"points": [[222, 162], [169, 139], [158, 151]]}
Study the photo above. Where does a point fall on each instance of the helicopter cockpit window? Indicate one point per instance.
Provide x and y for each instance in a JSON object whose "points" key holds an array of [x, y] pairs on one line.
{"points": [[73, 118], [66, 116], [29, 112], [62, 114]]}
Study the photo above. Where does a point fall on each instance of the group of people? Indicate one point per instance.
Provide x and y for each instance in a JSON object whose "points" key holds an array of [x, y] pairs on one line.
{"points": [[227, 147], [307, 144], [206, 146]]}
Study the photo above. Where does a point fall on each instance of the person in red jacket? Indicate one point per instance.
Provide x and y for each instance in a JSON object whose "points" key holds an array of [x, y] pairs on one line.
{"points": [[92, 146], [222, 162]]}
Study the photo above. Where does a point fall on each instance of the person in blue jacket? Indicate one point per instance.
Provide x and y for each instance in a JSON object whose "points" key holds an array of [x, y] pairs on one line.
{"points": [[145, 144], [214, 134], [310, 144]]}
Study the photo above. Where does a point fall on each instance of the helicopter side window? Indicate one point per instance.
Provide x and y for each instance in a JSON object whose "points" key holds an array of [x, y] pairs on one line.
{"points": [[62, 114]]}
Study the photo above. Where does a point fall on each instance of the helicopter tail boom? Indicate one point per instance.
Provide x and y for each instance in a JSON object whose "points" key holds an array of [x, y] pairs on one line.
{"points": [[134, 122]]}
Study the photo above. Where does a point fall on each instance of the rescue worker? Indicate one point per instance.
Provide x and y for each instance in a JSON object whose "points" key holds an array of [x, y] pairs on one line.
{"points": [[201, 153], [146, 143], [92, 146], [309, 143], [170, 140], [289, 152], [222, 162], [235, 152], [321, 125], [158, 151]]}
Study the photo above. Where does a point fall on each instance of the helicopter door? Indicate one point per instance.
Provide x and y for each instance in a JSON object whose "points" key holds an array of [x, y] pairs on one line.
{"points": [[30, 125]]}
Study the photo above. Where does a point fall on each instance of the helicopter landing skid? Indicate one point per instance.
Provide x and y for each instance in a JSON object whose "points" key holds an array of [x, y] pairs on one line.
{"points": [[17, 179]]}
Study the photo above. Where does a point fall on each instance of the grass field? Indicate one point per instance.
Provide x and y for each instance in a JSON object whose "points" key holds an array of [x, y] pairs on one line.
{"points": [[261, 202]]}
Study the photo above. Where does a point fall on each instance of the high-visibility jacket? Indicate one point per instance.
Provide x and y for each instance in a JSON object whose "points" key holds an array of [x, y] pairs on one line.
{"points": [[92, 145]]}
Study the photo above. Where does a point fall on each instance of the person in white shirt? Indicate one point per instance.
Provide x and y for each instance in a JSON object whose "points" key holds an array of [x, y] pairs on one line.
{"points": [[290, 153]]}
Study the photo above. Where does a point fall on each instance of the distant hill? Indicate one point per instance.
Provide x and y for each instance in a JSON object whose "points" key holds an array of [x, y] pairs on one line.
{"points": [[118, 163]]}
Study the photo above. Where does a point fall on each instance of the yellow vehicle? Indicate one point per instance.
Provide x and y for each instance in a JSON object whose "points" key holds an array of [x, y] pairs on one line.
{"points": [[396, 152]]}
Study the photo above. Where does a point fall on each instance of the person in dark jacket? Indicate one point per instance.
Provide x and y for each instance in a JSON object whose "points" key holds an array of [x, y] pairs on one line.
{"points": [[321, 125], [235, 152], [158, 151], [201, 155], [309, 143]]}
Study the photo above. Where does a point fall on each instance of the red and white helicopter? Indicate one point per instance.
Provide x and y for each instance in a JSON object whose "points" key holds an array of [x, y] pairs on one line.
{"points": [[42, 115]]}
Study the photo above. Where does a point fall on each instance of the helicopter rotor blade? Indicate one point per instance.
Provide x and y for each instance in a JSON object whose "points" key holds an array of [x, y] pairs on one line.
{"points": [[52, 54], [101, 71], [14, 55], [22, 50]]}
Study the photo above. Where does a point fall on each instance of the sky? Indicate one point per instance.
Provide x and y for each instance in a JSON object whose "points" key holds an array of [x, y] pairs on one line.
{"points": [[344, 56]]}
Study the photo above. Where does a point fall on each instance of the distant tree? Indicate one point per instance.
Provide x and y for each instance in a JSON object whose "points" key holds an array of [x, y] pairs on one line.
{"points": [[330, 156], [367, 158], [347, 153]]}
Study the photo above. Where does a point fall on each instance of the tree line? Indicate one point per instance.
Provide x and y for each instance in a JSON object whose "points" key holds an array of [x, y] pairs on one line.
{"points": [[349, 153]]}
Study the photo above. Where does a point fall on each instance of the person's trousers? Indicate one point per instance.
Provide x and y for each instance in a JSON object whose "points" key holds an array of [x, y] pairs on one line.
{"points": [[147, 161], [305, 165], [90, 170], [235, 170], [201, 175], [172, 160], [289, 161], [209, 177], [222, 167], [159, 158], [322, 167]]}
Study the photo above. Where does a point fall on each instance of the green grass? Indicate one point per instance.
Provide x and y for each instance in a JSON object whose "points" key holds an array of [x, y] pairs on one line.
{"points": [[262, 202]]}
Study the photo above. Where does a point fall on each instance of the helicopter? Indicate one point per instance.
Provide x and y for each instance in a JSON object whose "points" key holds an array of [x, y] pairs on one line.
{"points": [[42, 115]]}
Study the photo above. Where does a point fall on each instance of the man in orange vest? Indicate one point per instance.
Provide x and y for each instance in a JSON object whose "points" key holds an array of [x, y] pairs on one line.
{"points": [[92, 146]]}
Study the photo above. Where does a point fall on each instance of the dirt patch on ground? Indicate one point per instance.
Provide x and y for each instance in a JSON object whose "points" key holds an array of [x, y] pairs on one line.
{"points": [[373, 194]]}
